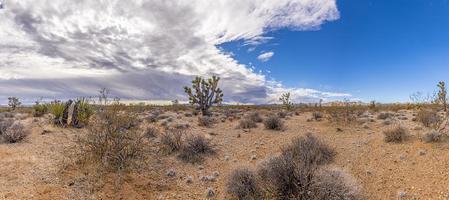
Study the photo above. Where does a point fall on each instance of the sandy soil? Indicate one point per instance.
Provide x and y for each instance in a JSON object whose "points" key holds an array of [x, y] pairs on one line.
{"points": [[37, 167]]}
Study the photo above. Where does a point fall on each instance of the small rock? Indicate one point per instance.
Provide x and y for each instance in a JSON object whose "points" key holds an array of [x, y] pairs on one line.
{"points": [[422, 152], [238, 135], [208, 178], [210, 192], [253, 157], [402, 194], [226, 158], [402, 157], [339, 130], [216, 173], [189, 179], [171, 173], [200, 167]]}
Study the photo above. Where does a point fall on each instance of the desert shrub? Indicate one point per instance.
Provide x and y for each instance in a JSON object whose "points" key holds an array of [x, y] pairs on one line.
{"points": [[15, 133], [310, 149], [432, 136], [255, 117], [172, 140], [342, 115], [334, 184], [151, 132], [299, 173], [274, 123], [39, 109], [428, 118], [195, 148], [395, 134], [282, 114], [5, 124], [317, 116], [205, 121], [112, 141], [384, 115], [247, 124], [56, 108], [242, 184]]}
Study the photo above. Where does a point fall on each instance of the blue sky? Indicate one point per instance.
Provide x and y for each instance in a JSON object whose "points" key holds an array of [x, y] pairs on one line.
{"points": [[381, 50]]}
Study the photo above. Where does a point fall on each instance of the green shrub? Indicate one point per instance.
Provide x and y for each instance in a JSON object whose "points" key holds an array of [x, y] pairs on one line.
{"points": [[39, 109], [85, 111], [56, 108]]}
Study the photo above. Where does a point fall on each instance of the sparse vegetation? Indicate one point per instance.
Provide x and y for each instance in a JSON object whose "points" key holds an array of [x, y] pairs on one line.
{"points": [[195, 148], [432, 136], [205, 121], [384, 115], [310, 150], [39, 109], [112, 140], [56, 108], [242, 184], [206, 93], [442, 95], [429, 118], [247, 124], [255, 117], [15, 133], [395, 134], [172, 140], [274, 123], [317, 116]]}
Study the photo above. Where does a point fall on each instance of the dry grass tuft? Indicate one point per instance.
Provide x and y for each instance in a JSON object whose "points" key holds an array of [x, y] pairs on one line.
{"points": [[195, 148], [395, 134], [15, 133], [242, 184], [274, 123]]}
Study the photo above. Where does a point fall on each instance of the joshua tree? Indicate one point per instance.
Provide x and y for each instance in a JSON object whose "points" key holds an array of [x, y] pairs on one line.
{"points": [[285, 98], [206, 93], [442, 94], [14, 102]]}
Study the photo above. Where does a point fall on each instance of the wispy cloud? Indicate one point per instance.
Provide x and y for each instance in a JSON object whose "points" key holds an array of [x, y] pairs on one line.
{"points": [[67, 48], [264, 57]]}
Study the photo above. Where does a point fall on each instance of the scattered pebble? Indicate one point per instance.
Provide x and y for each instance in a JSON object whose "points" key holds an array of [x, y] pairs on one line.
{"points": [[422, 152], [402, 194], [210, 192], [189, 179], [171, 173], [253, 157]]}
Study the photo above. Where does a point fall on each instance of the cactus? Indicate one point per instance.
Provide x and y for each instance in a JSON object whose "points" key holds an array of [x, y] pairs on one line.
{"points": [[206, 93], [285, 98], [442, 94]]}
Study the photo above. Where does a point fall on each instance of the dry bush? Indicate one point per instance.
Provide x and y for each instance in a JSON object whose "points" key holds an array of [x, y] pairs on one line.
{"points": [[282, 114], [342, 115], [317, 116], [247, 124], [395, 134], [151, 132], [384, 115], [242, 184], [274, 123], [334, 184], [195, 148], [5, 124], [310, 149], [432, 136], [255, 117], [15, 133], [205, 121], [113, 140], [172, 140], [428, 118]]}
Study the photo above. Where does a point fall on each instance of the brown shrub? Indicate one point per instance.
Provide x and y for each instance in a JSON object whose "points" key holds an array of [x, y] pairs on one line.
{"points": [[172, 140], [205, 121], [385, 115], [242, 184], [317, 116], [255, 117], [15, 133], [113, 140], [433, 136], [247, 124], [274, 123], [310, 149], [428, 118], [5, 124], [334, 184], [395, 134], [195, 148]]}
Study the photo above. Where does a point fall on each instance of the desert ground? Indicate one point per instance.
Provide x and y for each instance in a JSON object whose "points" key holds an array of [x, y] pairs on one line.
{"points": [[44, 165]]}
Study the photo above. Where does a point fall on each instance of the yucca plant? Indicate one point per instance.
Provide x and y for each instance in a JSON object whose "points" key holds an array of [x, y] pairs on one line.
{"points": [[57, 109], [85, 111]]}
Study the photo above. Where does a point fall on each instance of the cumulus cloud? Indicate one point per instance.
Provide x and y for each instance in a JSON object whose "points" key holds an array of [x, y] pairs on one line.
{"points": [[141, 49], [264, 57]]}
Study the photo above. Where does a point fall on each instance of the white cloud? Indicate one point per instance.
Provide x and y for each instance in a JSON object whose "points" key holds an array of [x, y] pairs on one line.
{"points": [[264, 57], [71, 48]]}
